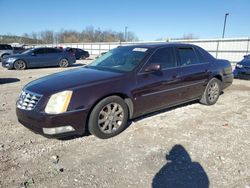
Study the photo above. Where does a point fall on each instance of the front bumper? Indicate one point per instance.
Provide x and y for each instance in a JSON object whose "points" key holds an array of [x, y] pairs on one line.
{"points": [[8, 65], [40, 122]]}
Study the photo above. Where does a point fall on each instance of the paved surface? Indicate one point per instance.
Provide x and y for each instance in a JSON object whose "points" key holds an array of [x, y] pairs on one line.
{"points": [[189, 146]]}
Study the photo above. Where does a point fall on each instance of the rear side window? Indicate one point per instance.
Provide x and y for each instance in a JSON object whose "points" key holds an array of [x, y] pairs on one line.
{"points": [[8, 47], [5, 47], [201, 57], [52, 50], [164, 57], [39, 51], [187, 56]]}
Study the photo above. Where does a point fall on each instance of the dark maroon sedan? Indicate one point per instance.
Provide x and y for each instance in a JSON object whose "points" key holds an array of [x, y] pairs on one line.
{"points": [[124, 83]]}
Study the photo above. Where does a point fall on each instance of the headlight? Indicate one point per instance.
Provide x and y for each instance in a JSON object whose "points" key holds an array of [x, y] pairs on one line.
{"points": [[10, 59], [58, 103], [239, 66]]}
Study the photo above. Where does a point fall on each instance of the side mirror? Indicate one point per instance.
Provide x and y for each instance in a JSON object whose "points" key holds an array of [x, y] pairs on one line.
{"points": [[153, 67], [32, 54]]}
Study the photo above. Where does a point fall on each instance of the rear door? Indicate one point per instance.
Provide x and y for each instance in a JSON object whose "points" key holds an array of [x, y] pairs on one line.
{"points": [[194, 71], [53, 56], [161, 88]]}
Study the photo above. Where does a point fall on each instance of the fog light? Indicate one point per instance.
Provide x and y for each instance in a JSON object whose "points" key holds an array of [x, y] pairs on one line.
{"points": [[58, 130]]}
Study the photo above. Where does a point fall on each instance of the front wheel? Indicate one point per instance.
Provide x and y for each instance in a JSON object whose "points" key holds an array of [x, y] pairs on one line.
{"points": [[212, 92], [64, 63], [108, 118], [20, 65]]}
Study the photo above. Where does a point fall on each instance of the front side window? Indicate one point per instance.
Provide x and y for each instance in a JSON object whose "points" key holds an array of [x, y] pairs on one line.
{"points": [[121, 59], [187, 56], [39, 51], [163, 57]]}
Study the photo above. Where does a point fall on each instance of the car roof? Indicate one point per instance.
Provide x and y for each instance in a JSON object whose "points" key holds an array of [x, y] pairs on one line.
{"points": [[159, 45]]}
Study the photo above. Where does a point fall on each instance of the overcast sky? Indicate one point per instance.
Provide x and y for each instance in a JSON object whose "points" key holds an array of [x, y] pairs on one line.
{"points": [[148, 19]]}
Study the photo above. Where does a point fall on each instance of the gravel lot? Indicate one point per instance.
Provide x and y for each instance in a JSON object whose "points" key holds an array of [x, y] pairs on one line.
{"points": [[189, 146]]}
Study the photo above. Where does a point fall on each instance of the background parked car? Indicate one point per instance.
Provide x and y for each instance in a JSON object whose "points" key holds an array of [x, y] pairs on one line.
{"points": [[39, 57], [78, 53], [242, 69], [18, 50], [5, 50]]}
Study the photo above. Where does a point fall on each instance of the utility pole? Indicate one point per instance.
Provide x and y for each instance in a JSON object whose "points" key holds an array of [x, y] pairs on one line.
{"points": [[225, 22], [126, 33]]}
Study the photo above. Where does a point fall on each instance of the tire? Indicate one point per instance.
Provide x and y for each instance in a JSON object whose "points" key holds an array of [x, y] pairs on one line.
{"points": [[20, 65], [64, 63], [83, 57], [108, 118], [212, 92]]}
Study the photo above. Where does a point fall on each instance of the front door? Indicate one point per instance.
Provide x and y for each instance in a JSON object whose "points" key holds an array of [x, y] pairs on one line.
{"points": [[160, 88]]}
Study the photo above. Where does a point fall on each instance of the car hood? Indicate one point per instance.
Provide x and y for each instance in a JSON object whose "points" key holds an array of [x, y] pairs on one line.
{"points": [[14, 56], [67, 80], [245, 62]]}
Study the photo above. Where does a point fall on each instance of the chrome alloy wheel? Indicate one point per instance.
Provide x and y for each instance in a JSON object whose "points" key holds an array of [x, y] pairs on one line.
{"points": [[19, 65], [213, 91], [64, 63], [110, 118]]}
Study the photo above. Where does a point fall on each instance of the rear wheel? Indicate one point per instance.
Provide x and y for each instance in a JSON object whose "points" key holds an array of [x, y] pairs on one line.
{"points": [[20, 65], [212, 92], [83, 57], [64, 63], [108, 118]]}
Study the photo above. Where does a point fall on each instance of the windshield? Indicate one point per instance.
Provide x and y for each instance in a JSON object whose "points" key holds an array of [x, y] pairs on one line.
{"points": [[121, 59], [27, 51]]}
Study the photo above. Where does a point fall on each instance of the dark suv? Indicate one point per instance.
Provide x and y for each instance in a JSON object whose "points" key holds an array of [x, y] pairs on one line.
{"points": [[5, 50], [78, 53], [124, 83]]}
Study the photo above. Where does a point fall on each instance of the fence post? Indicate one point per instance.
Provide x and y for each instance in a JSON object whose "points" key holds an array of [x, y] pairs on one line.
{"points": [[217, 48], [248, 41], [91, 48]]}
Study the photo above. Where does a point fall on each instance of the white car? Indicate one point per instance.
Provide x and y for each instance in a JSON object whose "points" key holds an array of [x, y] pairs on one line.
{"points": [[5, 50]]}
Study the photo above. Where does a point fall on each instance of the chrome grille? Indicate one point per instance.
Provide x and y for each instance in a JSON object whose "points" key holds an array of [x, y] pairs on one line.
{"points": [[28, 100]]}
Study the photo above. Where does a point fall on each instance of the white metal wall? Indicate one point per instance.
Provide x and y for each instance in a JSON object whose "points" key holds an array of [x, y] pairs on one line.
{"points": [[230, 49]]}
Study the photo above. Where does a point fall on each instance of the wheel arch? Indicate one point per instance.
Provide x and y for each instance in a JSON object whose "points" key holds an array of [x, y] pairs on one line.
{"points": [[219, 77], [4, 54], [128, 101]]}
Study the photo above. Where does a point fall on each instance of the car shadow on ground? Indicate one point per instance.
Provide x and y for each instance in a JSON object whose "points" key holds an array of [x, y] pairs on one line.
{"points": [[8, 80], [71, 137], [167, 109], [180, 171]]}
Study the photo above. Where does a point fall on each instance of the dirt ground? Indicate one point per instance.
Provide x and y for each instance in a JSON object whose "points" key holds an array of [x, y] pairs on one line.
{"points": [[189, 146]]}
